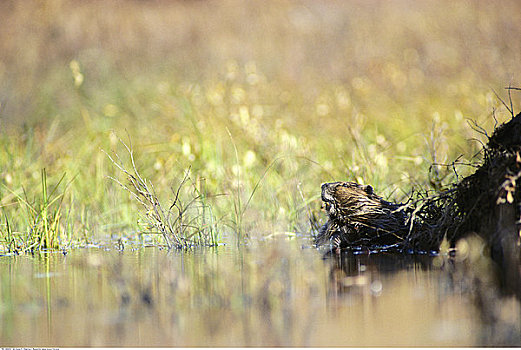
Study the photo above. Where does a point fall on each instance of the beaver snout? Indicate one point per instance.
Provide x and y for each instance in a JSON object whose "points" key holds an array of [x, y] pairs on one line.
{"points": [[326, 192]]}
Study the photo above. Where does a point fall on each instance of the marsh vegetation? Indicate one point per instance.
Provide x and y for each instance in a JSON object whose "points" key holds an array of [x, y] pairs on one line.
{"points": [[161, 163]]}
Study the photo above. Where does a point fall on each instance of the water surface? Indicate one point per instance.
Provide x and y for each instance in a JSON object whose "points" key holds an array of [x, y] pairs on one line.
{"points": [[269, 294]]}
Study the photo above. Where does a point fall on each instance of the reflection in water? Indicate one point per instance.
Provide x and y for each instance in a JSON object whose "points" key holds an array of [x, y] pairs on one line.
{"points": [[471, 276], [274, 294], [350, 271]]}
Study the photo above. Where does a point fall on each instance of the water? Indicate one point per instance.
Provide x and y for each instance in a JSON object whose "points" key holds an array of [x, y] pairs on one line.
{"points": [[269, 294]]}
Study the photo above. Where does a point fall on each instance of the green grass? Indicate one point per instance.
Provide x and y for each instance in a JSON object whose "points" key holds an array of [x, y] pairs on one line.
{"points": [[261, 117], [46, 226]]}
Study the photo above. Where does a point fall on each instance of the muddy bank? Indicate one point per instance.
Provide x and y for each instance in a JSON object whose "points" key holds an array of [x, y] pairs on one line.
{"points": [[488, 202]]}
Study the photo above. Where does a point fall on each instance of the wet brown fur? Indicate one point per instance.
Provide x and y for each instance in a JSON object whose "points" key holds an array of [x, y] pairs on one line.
{"points": [[358, 216]]}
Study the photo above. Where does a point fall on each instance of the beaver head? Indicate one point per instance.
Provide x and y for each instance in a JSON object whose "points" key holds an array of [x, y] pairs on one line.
{"points": [[358, 216], [339, 195]]}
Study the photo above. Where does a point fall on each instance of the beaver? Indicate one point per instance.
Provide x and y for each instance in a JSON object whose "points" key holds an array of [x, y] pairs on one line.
{"points": [[359, 217]]}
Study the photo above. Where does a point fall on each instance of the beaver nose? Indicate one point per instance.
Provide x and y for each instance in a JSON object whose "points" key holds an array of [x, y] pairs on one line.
{"points": [[324, 187], [323, 191]]}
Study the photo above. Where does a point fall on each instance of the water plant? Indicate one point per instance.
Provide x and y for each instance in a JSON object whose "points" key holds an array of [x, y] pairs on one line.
{"points": [[43, 216], [186, 221]]}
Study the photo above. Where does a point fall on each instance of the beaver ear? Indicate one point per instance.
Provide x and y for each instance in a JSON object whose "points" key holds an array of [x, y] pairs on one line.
{"points": [[368, 189]]}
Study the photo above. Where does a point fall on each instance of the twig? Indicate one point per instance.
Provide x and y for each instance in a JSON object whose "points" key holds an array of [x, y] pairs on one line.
{"points": [[503, 102], [172, 228]]}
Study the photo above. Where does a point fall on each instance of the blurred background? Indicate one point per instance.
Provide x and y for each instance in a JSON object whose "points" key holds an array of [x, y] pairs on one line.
{"points": [[384, 49]]}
